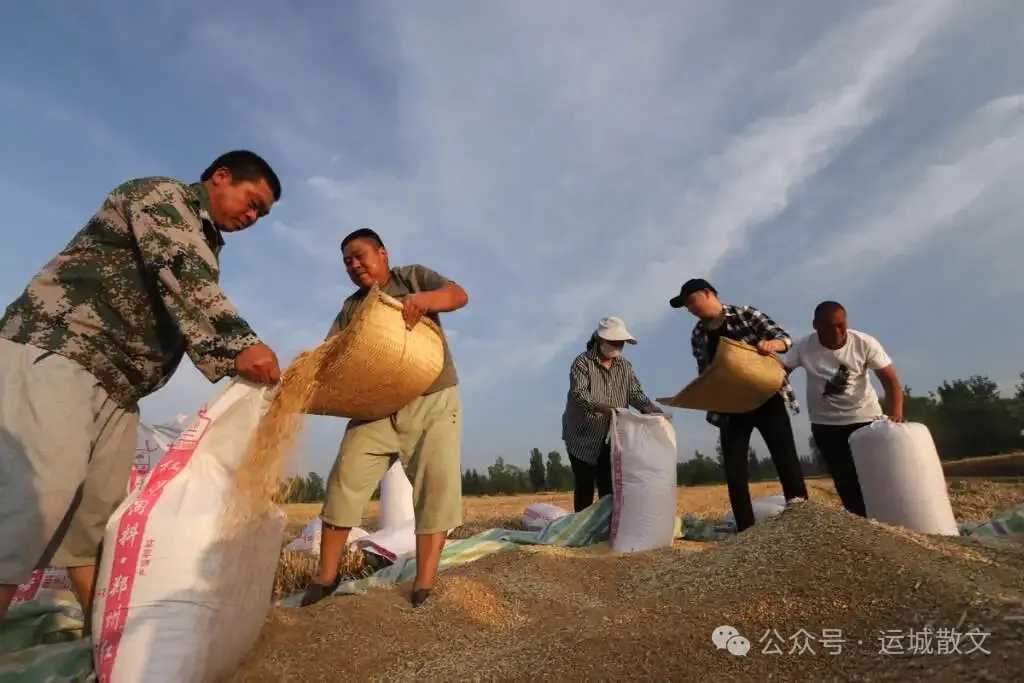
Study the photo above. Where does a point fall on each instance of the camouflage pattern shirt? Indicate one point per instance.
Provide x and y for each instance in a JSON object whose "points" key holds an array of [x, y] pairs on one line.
{"points": [[136, 289]]}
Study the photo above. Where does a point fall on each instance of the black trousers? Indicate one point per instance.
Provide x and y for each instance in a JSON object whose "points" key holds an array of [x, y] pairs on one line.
{"points": [[587, 475], [772, 420], [833, 443]]}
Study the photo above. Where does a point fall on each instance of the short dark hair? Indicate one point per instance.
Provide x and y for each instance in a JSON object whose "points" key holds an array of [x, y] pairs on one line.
{"points": [[245, 165], [362, 234], [828, 308]]}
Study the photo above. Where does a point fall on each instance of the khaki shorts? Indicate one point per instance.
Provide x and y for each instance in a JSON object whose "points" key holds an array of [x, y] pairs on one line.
{"points": [[66, 452], [426, 436]]}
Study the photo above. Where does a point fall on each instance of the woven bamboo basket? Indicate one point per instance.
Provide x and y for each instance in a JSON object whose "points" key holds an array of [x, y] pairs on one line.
{"points": [[738, 380], [375, 366]]}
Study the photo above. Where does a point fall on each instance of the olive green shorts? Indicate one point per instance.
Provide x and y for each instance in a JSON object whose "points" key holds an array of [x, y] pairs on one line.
{"points": [[426, 435], [66, 452]]}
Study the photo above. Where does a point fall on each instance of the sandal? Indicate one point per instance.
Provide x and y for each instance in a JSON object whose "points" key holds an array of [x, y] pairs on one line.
{"points": [[315, 591], [419, 596]]}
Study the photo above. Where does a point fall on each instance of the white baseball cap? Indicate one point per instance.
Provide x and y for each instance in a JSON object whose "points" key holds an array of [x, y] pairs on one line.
{"points": [[614, 329]]}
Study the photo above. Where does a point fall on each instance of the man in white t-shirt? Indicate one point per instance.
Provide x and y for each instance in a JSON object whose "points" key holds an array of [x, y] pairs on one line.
{"points": [[840, 398]]}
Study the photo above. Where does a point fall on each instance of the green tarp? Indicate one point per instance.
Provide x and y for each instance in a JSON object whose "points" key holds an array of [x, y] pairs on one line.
{"points": [[42, 640]]}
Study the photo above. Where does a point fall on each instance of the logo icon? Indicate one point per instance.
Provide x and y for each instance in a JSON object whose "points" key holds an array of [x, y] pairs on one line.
{"points": [[738, 646], [728, 638], [721, 635]]}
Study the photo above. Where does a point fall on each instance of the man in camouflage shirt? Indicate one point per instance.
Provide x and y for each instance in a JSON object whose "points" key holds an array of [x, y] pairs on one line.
{"points": [[105, 323]]}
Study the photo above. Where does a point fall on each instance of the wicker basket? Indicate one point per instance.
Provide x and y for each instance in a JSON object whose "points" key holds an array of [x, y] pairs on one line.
{"points": [[738, 380], [375, 366]]}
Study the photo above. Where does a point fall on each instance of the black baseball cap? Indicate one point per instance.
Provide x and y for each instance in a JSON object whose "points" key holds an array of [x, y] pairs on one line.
{"points": [[688, 288]]}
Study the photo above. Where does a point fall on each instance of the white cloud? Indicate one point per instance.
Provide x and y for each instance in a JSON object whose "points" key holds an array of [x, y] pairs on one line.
{"points": [[303, 239], [976, 162], [369, 201], [600, 115]]}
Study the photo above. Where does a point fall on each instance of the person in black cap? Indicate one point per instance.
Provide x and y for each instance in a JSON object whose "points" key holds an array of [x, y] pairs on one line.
{"points": [[748, 325]]}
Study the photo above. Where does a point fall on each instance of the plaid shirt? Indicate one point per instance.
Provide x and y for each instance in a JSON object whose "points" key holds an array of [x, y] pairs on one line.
{"points": [[585, 430], [750, 326]]}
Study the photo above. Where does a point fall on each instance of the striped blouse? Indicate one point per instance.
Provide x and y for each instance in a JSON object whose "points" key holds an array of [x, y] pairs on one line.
{"points": [[591, 384]]}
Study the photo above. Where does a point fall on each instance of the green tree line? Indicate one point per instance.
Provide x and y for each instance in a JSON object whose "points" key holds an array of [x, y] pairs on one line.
{"points": [[969, 417], [502, 478], [701, 469], [506, 479]]}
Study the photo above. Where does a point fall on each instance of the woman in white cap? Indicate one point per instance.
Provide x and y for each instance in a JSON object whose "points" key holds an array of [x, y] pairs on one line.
{"points": [[600, 381]]}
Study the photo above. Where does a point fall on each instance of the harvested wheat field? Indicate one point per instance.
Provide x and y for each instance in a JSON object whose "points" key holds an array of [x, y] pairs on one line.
{"points": [[487, 512], [560, 614], [1006, 465]]}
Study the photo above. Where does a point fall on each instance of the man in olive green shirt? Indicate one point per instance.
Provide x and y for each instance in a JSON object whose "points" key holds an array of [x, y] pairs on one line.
{"points": [[425, 434], [103, 324]]}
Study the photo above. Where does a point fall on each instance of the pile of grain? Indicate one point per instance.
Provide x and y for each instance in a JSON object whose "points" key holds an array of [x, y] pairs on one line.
{"points": [[559, 614], [978, 500]]}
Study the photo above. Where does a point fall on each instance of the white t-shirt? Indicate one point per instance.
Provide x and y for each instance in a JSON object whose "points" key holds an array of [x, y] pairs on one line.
{"points": [[839, 391]]}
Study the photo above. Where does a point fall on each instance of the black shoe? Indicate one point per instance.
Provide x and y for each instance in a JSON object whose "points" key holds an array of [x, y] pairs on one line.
{"points": [[315, 592], [419, 596]]}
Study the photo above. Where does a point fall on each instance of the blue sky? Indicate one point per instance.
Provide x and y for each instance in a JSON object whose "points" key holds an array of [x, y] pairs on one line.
{"points": [[563, 161]]}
